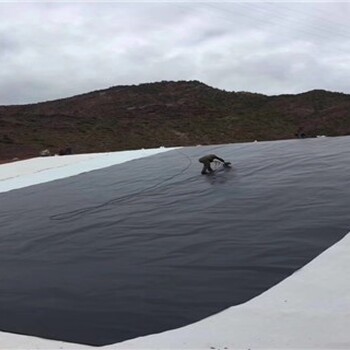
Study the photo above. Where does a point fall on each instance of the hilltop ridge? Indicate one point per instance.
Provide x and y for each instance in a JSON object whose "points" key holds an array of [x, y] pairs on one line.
{"points": [[167, 113]]}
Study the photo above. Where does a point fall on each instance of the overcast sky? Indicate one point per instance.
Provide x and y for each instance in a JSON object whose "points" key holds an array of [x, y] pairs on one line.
{"points": [[50, 50]]}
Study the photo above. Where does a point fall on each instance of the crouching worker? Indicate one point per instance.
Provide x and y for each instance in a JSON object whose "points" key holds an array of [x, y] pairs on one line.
{"points": [[206, 160]]}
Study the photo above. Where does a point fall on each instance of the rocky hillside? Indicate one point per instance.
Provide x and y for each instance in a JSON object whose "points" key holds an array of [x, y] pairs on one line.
{"points": [[168, 114]]}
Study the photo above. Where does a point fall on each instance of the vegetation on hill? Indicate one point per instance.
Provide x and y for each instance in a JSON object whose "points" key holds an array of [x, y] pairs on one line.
{"points": [[167, 114]]}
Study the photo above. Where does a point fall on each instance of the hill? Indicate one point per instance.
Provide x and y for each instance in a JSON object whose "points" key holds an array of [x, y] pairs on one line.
{"points": [[167, 114]]}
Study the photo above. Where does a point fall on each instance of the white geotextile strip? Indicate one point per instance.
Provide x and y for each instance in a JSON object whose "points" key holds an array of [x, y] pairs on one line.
{"points": [[44, 169]]}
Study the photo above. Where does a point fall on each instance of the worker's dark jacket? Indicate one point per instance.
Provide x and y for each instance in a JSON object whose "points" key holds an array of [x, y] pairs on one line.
{"points": [[209, 158]]}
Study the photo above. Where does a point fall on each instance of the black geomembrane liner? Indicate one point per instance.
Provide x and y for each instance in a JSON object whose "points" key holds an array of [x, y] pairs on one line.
{"points": [[151, 244]]}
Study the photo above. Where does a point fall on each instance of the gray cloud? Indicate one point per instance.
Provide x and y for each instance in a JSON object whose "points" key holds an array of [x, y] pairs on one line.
{"points": [[54, 50]]}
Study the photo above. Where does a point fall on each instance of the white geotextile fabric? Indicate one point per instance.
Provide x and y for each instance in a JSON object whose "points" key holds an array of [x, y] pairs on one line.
{"points": [[44, 169]]}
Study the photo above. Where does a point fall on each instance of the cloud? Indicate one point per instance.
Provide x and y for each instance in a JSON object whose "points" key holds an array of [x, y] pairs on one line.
{"points": [[55, 50]]}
